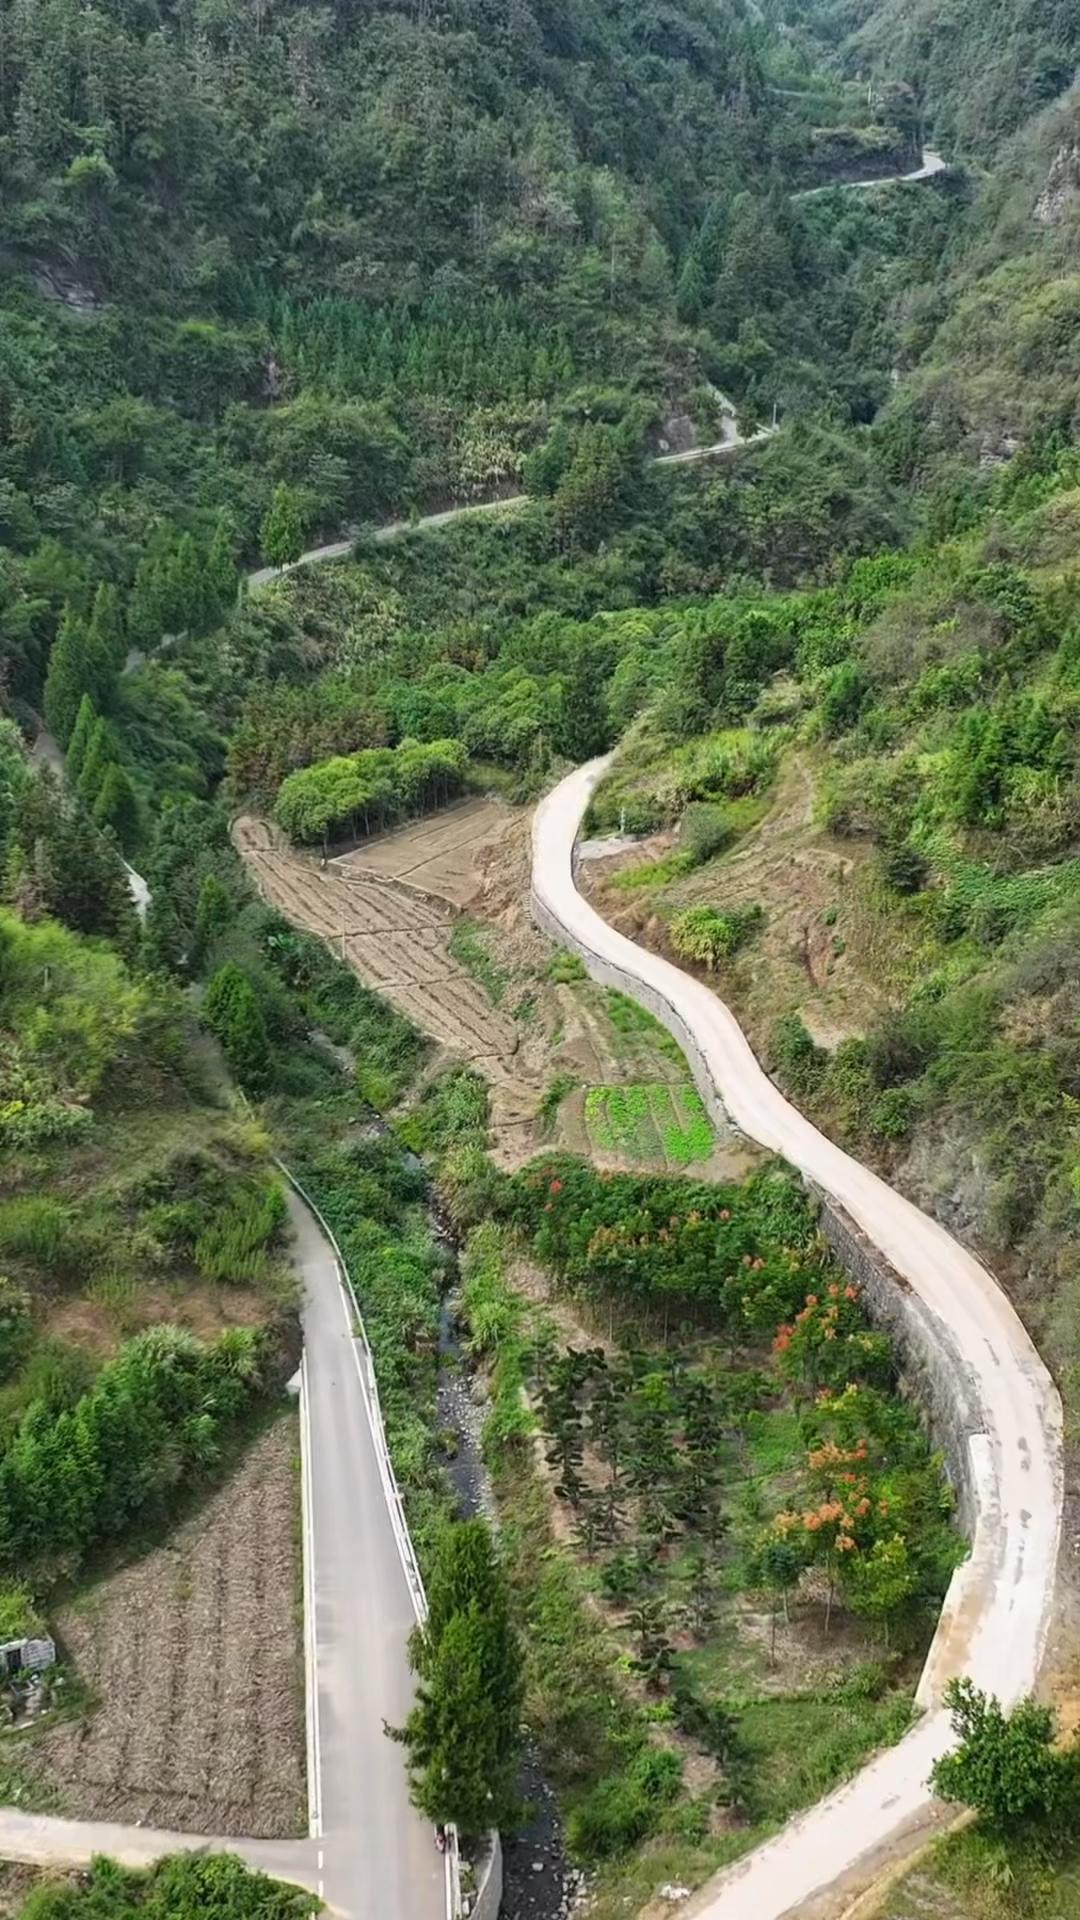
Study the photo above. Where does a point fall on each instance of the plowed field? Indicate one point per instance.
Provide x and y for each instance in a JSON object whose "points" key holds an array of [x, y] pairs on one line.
{"points": [[395, 938], [438, 855], [193, 1654]]}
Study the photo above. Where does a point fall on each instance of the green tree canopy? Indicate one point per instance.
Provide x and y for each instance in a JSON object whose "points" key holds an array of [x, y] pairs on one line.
{"points": [[463, 1736]]}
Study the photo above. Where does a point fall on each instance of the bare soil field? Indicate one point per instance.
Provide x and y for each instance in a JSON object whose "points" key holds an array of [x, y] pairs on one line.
{"points": [[822, 949], [438, 855], [396, 939], [194, 1657]]}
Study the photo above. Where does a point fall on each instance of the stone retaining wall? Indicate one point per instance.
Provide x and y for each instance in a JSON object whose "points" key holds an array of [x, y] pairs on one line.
{"points": [[932, 1371]]}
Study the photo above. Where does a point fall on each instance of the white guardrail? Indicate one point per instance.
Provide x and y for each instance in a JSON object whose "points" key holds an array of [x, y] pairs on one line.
{"points": [[395, 1503]]}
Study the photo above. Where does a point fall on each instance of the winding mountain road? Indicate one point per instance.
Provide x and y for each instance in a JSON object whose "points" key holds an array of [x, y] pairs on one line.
{"points": [[997, 1613], [731, 441], [931, 164]]}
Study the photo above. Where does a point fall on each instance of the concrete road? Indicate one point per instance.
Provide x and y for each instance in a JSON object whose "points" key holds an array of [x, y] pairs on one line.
{"points": [[932, 163], [997, 1613], [370, 1856], [380, 1860]]}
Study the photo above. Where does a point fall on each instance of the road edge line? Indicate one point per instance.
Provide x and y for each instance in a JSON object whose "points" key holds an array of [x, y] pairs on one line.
{"points": [[369, 1393], [311, 1668]]}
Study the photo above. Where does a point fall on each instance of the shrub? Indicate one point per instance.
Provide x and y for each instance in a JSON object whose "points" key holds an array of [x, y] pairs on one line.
{"points": [[797, 1058], [37, 1229], [16, 1329], [704, 935], [903, 867], [704, 831], [892, 1115], [233, 1245], [1006, 1765], [179, 1887], [566, 968], [625, 1808]]}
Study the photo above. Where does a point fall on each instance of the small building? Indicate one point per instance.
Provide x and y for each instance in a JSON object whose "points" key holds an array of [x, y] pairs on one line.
{"points": [[26, 1656]]}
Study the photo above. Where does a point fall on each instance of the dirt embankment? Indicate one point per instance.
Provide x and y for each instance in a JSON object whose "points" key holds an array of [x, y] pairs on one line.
{"points": [[822, 950], [193, 1655]]}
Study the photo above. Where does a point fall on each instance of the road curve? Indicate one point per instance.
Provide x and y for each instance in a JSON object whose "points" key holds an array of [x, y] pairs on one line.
{"points": [[369, 1855], [997, 1613], [931, 164]]}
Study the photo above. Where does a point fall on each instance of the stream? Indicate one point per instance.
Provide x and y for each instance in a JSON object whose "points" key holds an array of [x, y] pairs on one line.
{"points": [[539, 1882]]}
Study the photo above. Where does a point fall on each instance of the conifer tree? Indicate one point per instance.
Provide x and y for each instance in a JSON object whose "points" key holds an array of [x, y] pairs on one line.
{"points": [[100, 755], [232, 1012], [282, 535], [145, 622], [78, 664], [221, 576], [117, 807], [211, 917], [106, 624], [185, 594], [463, 1736], [79, 744]]}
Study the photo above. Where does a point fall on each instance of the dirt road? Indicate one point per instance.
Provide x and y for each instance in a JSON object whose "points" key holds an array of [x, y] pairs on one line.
{"points": [[997, 1613]]}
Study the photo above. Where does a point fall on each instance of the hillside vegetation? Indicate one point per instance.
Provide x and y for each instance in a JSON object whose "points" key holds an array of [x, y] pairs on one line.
{"points": [[925, 902], [275, 271]]}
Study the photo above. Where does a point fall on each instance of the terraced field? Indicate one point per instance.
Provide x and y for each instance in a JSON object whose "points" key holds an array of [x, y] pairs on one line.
{"points": [[395, 938], [438, 854], [193, 1657], [480, 987]]}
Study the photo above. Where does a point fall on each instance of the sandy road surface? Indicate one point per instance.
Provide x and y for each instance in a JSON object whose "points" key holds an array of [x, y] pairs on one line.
{"points": [[997, 1613]]}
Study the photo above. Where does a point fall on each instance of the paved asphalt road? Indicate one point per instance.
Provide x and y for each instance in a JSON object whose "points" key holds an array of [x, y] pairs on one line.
{"points": [[380, 1859], [998, 1609], [371, 1856]]}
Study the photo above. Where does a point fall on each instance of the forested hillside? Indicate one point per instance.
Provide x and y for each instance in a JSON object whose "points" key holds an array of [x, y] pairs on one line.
{"points": [[272, 272], [980, 68]]}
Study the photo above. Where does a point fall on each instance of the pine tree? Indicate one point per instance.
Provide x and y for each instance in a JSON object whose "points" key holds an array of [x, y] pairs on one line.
{"points": [[185, 594], [282, 535], [211, 917], [106, 625], [222, 579], [117, 807], [145, 619], [78, 664], [232, 1012], [463, 1736], [100, 755], [79, 743]]}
